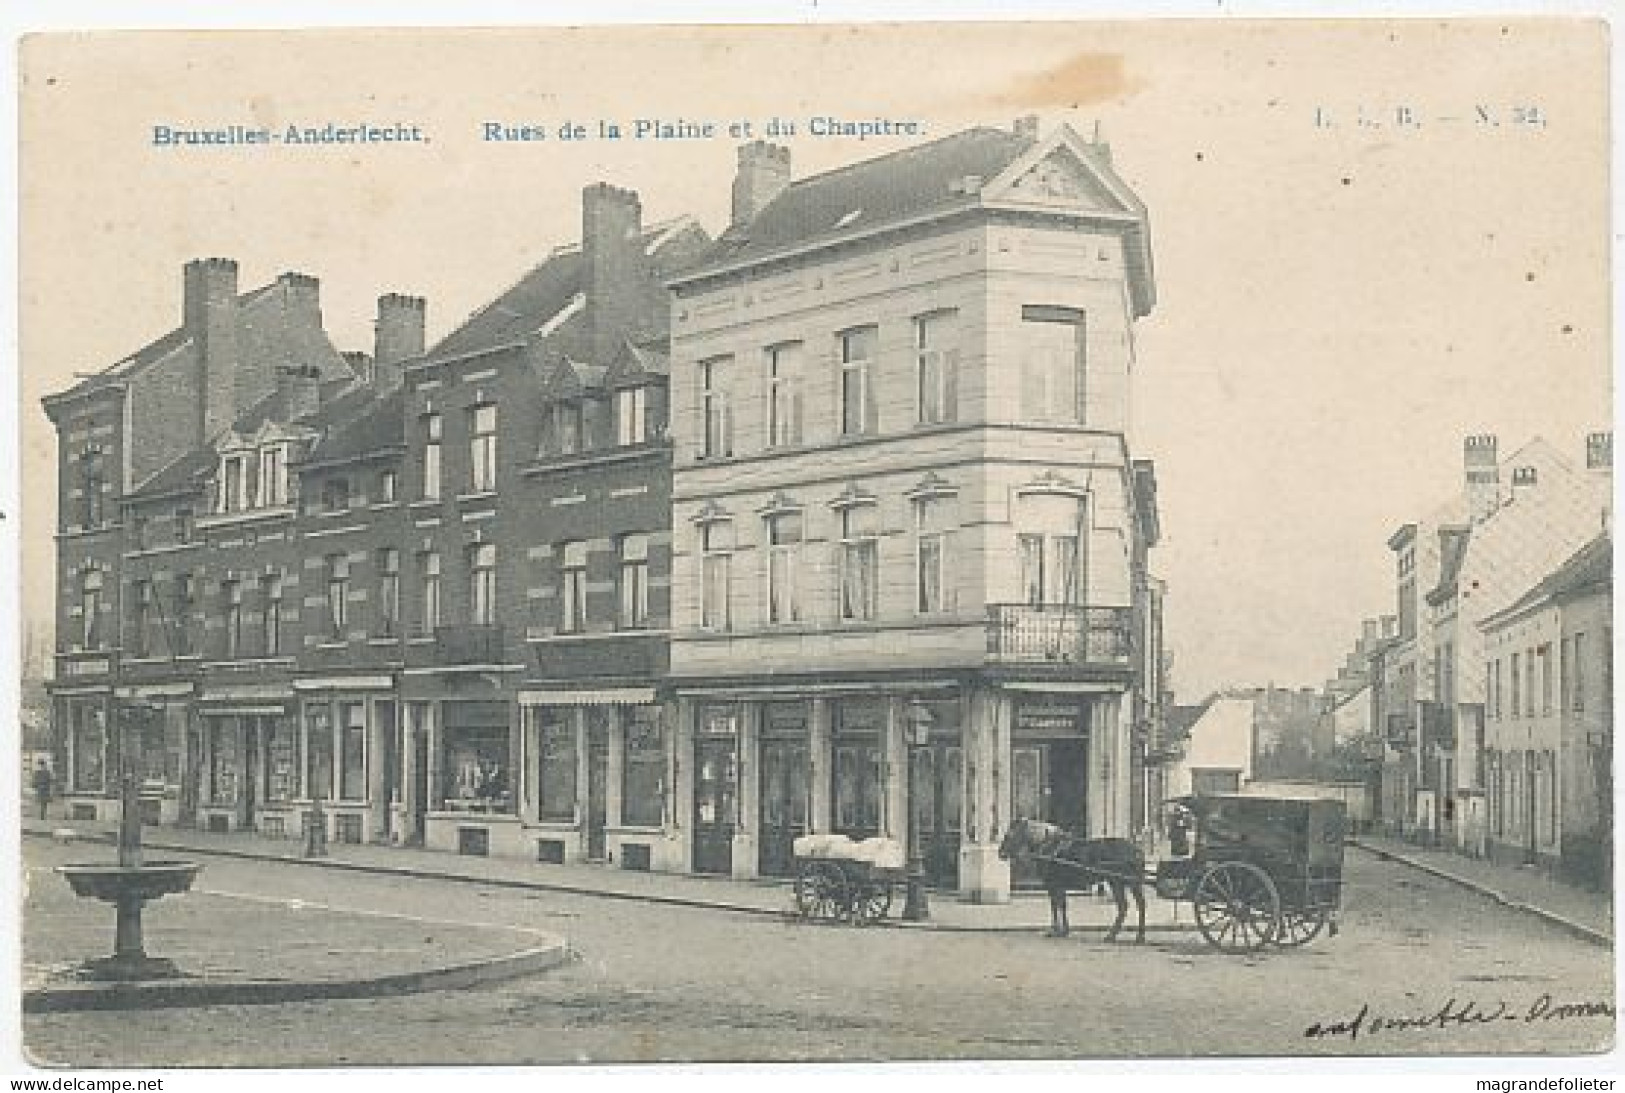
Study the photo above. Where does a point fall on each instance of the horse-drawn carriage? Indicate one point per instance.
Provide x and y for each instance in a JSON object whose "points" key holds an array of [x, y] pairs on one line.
{"points": [[1257, 870], [844, 879]]}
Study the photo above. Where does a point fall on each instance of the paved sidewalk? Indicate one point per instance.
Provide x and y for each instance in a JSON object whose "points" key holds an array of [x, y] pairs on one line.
{"points": [[1583, 913], [1026, 911], [235, 949]]}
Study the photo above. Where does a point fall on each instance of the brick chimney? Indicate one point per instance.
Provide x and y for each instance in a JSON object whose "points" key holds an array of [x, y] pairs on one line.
{"points": [[612, 248], [397, 337], [209, 312], [1483, 475], [764, 174], [1524, 479], [300, 387], [1026, 126]]}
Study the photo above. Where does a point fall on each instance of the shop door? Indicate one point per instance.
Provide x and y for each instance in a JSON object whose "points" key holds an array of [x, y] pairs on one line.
{"points": [[716, 787], [856, 792], [784, 804], [939, 801], [597, 785], [1049, 782]]}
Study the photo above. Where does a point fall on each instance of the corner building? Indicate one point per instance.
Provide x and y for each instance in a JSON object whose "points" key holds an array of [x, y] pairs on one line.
{"points": [[903, 496]]}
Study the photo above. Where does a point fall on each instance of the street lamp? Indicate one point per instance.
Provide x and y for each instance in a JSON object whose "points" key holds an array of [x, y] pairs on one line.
{"points": [[917, 734]]}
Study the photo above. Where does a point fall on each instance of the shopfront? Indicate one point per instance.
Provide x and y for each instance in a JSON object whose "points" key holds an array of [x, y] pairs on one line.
{"points": [[785, 786], [716, 786]]}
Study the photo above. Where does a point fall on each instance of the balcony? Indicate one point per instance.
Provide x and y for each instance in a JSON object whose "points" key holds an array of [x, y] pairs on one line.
{"points": [[1060, 635], [471, 643]]}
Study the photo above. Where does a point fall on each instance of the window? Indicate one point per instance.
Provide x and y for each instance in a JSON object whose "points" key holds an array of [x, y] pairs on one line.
{"points": [[233, 484], [1052, 364], [137, 530], [1577, 677], [715, 408], [1529, 683], [336, 495], [353, 751], [273, 483], [429, 568], [231, 594], [631, 415], [319, 758], [482, 584], [281, 758], [431, 456], [857, 354], [716, 574], [386, 487], [1546, 678], [183, 525], [1049, 569], [185, 598], [1517, 687], [556, 783], [860, 562], [569, 425], [389, 591], [482, 448], [643, 772], [140, 616], [88, 723], [632, 581], [90, 607], [91, 484], [573, 593], [271, 597], [932, 526], [784, 395], [338, 594], [785, 534], [936, 356]]}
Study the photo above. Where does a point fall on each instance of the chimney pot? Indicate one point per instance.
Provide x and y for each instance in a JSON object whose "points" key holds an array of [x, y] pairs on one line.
{"points": [[397, 337]]}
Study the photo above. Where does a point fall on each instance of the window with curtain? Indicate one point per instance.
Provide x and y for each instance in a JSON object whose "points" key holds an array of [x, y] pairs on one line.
{"points": [[231, 592], [482, 584], [181, 625], [784, 381], [716, 408], [1047, 546], [353, 751], [429, 571], [1052, 365], [859, 562], [857, 348], [933, 523], [784, 539], [716, 574], [281, 758], [271, 621], [936, 374], [338, 594], [90, 606], [632, 581], [431, 428], [573, 590], [389, 591], [482, 448], [631, 415], [319, 758]]}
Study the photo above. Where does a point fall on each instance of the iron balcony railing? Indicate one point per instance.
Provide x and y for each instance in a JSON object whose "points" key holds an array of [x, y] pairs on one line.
{"points": [[1059, 633], [471, 643]]}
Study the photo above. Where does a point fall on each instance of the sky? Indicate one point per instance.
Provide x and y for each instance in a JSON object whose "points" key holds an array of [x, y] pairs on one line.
{"points": [[1339, 302]]}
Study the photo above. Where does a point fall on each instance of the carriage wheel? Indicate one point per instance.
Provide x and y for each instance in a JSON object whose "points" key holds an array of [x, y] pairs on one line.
{"points": [[821, 891], [1237, 907], [1300, 925], [874, 902]]}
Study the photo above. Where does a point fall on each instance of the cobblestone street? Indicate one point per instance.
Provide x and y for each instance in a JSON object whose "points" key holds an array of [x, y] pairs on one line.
{"points": [[674, 983]]}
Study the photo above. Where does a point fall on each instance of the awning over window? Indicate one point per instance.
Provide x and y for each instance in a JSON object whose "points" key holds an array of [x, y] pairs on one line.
{"points": [[604, 696]]}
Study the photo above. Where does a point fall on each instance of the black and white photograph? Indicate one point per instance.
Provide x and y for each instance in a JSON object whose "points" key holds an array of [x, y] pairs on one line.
{"points": [[883, 543]]}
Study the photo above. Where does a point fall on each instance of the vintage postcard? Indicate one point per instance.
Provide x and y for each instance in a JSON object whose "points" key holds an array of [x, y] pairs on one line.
{"points": [[1002, 541]]}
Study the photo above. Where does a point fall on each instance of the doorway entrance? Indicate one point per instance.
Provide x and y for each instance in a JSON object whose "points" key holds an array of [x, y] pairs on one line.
{"points": [[716, 790], [1049, 782], [938, 795]]}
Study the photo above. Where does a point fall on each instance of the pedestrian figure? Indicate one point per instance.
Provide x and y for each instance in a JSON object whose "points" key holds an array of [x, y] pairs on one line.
{"points": [[42, 788]]}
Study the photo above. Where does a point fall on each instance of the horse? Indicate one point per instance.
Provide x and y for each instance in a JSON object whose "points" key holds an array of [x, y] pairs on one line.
{"points": [[1068, 862]]}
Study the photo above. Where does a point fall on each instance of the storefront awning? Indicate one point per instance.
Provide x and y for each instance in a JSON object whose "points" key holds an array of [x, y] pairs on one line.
{"points": [[344, 683], [156, 690], [239, 710], [604, 696], [1063, 688]]}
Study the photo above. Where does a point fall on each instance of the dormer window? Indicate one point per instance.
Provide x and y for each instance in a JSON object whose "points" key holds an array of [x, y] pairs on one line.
{"points": [[631, 415], [273, 477], [233, 483], [569, 428], [336, 495]]}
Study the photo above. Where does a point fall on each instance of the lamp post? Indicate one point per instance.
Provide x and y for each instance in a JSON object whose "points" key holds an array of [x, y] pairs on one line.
{"points": [[917, 734]]}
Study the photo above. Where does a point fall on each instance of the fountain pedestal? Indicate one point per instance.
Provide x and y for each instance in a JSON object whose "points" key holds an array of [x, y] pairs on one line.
{"points": [[130, 884]]}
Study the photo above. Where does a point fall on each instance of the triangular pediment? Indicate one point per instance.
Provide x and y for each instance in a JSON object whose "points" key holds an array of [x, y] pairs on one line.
{"points": [[1060, 178]]}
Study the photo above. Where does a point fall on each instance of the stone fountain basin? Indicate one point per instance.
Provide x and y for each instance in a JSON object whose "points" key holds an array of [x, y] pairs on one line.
{"points": [[149, 880]]}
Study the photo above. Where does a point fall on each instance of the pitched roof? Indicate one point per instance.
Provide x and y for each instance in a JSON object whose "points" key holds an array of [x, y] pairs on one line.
{"points": [[548, 300], [1591, 568], [911, 182], [353, 429]]}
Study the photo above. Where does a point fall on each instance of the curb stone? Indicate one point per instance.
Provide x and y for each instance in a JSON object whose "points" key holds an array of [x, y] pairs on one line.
{"points": [[176, 993], [1568, 925]]}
